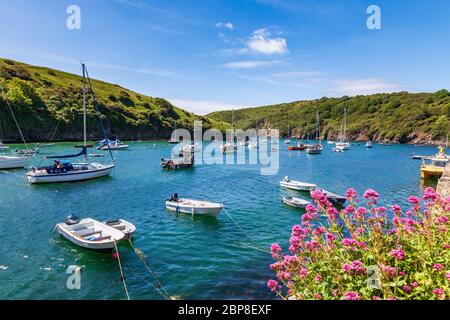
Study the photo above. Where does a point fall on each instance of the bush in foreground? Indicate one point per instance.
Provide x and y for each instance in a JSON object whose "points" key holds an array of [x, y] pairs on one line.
{"points": [[366, 252]]}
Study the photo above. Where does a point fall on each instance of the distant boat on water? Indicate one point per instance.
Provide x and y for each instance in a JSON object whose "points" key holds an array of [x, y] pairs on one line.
{"points": [[343, 144]]}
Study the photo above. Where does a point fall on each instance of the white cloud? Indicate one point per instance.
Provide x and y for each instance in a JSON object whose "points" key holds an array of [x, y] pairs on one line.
{"points": [[167, 30], [250, 64], [262, 42], [362, 86], [203, 107], [226, 25]]}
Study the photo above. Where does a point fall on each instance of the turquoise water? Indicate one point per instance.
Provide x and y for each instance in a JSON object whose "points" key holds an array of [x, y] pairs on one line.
{"points": [[200, 258]]}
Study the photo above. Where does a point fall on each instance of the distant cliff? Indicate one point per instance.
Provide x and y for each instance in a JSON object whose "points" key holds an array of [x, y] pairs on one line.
{"points": [[398, 117], [44, 99]]}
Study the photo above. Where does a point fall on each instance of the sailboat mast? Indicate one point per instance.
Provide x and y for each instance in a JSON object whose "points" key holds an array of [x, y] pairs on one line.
{"points": [[84, 106]]}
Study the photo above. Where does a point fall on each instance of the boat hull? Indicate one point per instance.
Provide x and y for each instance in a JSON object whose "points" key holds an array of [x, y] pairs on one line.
{"points": [[70, 176], [298, 187], [293, 202], [7, 162], [183, 208]]}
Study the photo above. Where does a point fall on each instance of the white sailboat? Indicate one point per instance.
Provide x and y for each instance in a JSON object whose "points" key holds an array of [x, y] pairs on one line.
{"points": [[63, 171], [288, 138], [343, 144], [317, 147]]}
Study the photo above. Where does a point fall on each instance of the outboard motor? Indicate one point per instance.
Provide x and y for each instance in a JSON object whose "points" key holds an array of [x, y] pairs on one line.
{"points": [[72, 219]]}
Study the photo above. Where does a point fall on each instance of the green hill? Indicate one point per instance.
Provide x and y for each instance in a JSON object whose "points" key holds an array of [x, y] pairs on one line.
{"points": [[44, 99], [399, 117]]}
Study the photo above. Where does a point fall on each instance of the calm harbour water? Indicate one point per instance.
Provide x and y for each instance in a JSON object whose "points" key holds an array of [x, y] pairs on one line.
{"points": [[200, 258]]}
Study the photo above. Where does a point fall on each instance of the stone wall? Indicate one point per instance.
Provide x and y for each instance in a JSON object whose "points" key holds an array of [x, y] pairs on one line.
{"points": [[443, 187]]}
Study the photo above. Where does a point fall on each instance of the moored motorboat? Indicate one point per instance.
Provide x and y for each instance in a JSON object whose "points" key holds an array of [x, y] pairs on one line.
{"points": [[314, 149], [299, 147], [297, 185], [113, 145], [194, 207], [120, 224], [295, 202], [369, 145], [3, 147], [333, 197], [90, 234]]}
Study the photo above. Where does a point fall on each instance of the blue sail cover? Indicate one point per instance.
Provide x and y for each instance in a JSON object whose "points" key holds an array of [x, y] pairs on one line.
{"points": [[83, 152]]}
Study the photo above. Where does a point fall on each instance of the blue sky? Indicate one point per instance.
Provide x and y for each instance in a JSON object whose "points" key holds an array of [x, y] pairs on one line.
{"points": [[207, 55]]}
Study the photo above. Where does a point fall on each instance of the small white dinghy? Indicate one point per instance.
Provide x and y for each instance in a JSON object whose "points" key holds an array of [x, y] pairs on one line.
{"points": [[90, 234], [126, 227], [194, 207], [295, 202], [297, 185]]}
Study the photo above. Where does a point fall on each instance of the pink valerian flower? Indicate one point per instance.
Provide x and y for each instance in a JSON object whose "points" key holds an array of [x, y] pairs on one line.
{"points": [[297, 231], [320, 199], [396, 209], [276, 266], [318, 278], [312, 245], [392, 298], [438, 267], [430, 195], [356, 267], [306, 219], [351, 295], [446, 246], [275, 249], [349, 210], [317, 296], [349, 242], [442, 219], [359, 214], [351, 194], [295, 244], [398, 254], [447, 275], [283, 276], [311, 210], [376, 298], [414, 284], [290, 261], [332, 213], [414, 200], [272, 285], [390, 271], [319, 230], [438, 292], [371, 195], [407, 289], [304, 273], [330, 237]]}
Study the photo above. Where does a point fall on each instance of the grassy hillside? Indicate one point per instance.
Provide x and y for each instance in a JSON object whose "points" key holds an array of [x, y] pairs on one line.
{"points": [[43, 97], [400, 117]]}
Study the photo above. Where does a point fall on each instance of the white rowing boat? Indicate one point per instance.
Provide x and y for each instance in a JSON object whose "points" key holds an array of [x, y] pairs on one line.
{"points": [[297, 185], [295, 202], [194, 207], [126, 227], [90, 234]]}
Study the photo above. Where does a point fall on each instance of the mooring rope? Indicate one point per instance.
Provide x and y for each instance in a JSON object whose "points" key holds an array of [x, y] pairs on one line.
{"points": [[262, 248], [121, 271], [141, 256], [14, 117]]}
